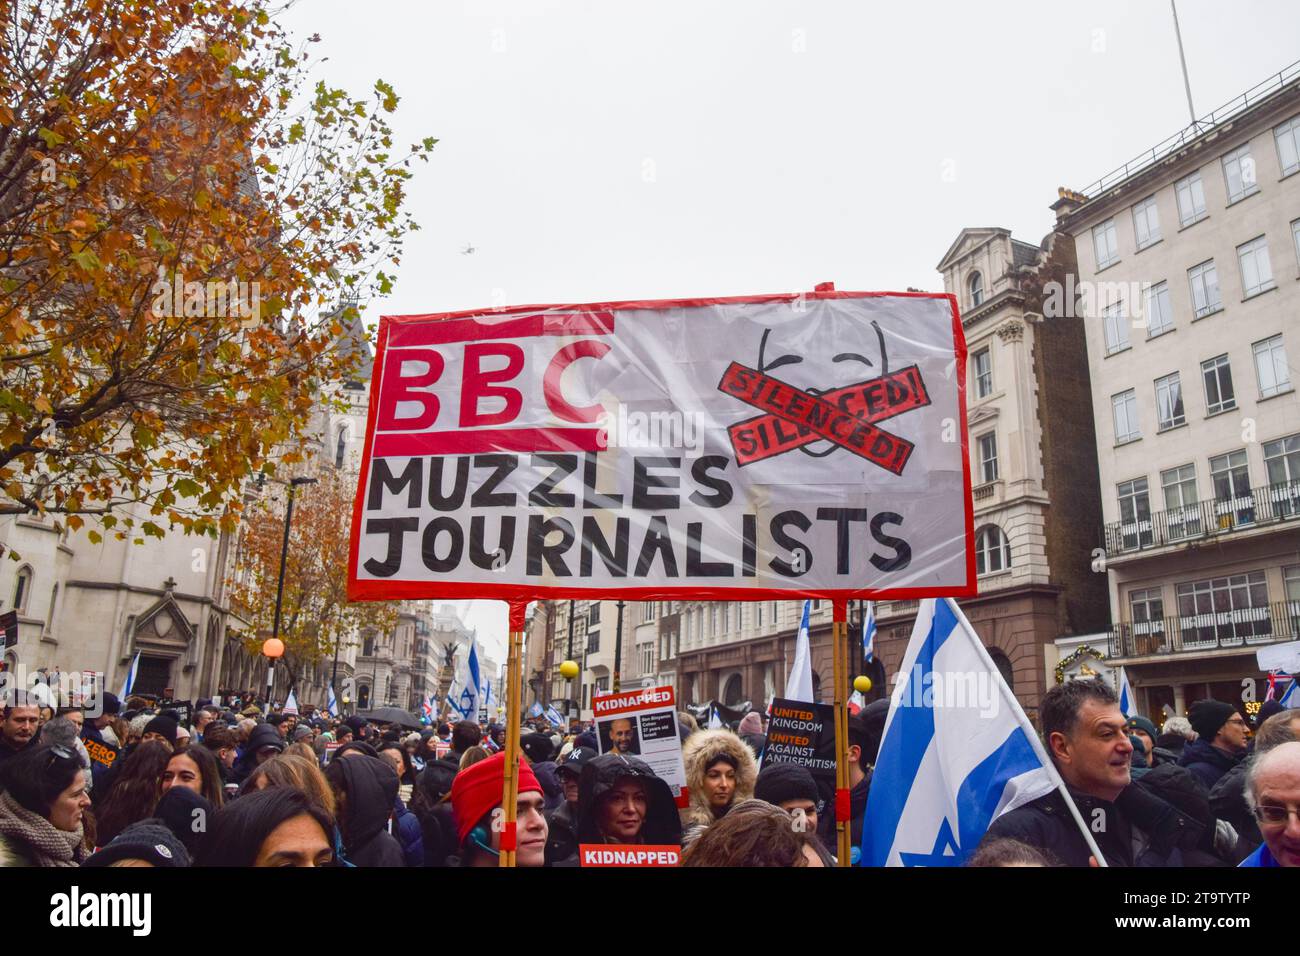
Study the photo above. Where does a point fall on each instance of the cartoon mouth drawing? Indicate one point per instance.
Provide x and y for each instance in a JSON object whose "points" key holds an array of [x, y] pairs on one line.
{"points": [[844, 416]]}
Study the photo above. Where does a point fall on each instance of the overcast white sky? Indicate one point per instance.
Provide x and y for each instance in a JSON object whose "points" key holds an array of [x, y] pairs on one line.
{"points": [[614, 150]]}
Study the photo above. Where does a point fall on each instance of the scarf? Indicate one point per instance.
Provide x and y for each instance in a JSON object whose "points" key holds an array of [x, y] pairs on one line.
{"points": [[38, 839]]}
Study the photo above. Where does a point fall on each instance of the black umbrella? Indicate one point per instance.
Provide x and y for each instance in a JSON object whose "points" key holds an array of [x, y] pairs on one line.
{"points": [[392, 715]]}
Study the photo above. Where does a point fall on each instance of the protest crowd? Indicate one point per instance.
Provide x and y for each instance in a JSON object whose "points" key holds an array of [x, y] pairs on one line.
{"points": [[244, 787]]}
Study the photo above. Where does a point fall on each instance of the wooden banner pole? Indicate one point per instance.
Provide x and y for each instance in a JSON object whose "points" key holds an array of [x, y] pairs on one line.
{"points": [[843, 806], [510, 788]]}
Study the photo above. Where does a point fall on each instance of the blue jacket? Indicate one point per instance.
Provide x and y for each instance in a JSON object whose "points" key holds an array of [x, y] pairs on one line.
{"points": [[406, 827], [1261, 857]]}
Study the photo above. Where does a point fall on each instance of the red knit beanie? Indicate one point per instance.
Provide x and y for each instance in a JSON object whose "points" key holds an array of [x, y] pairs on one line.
{"points": [[477, 789]]}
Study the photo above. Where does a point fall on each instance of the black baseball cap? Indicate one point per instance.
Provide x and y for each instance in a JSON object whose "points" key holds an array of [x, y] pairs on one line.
{"points": [[576, 760]]}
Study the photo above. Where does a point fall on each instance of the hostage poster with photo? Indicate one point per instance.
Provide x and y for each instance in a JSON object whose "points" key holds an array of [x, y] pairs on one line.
{"points": [[643, 723], [766, 447]]}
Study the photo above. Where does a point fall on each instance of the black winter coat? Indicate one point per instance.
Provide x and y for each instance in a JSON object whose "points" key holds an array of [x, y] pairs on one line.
{"points": [[1207, 762], [369, 788], [1162, 819], [662, 825]]}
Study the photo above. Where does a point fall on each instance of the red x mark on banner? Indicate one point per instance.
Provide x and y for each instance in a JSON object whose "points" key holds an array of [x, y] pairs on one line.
{"points": [[845, 416]]}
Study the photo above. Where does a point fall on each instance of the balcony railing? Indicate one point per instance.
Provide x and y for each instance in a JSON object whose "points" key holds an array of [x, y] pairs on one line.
{"points": [[1205, 124], [1244, 627], [1207, 519]]}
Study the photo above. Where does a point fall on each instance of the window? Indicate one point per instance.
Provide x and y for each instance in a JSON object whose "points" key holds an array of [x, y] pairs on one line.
{"points": [[1169, 402], [1224, 610], [1104, 244], [1256, 273], [1288, 146], [758, 615], [1124, 405], [1191, 199], [1233, 502], [1295, 237], [992, 550], [726, 618], [1271, 368], [1239, 173], [22, 588], [1204, 280], [341, 449], [593, 613], [1282, 463], [1159, 315], [1146, 223], [647, 611], [976, 285], [1147, 611], [1116, 325], [988, 448], [983, 362], [1218, 385], [1134, 513], [1182, 516]]}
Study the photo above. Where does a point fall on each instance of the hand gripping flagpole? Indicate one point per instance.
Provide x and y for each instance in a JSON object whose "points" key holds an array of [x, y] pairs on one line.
{"points": [[510, 789], [843, 806]]}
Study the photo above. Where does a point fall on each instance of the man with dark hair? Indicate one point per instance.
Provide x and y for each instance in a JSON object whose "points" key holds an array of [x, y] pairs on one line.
{"points": [[1220, 744], [865, 731], [1161, 821], [464, 735], [18, 726]]}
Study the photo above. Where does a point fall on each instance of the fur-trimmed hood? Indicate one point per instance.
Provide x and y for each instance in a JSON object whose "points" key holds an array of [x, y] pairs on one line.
{"points": [[700, 750]]}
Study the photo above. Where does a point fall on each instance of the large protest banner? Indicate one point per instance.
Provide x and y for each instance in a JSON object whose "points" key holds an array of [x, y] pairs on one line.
{"points": [[743, 448]]}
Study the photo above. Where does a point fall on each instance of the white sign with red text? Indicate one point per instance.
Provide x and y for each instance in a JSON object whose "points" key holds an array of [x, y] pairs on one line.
{"points": [[643, 723]]}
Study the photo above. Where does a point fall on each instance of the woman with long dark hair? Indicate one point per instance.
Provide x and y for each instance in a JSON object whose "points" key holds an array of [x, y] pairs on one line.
{"points": [[275, 827], [134, 793], [42, 807], [196, 769]]}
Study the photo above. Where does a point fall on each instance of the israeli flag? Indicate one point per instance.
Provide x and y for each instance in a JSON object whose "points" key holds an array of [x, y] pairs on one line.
{"points": [[1127, 700], [331, 703], [799, 685], [869, 633], [554, 717], [715, 722], [129, 684], [1291, 700], [957, 750], [466, 703], [535, 710], [290, 705]]}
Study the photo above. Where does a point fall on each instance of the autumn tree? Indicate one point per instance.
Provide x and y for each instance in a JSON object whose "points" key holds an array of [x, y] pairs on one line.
{"points": [[315, 613], [180, 214]]}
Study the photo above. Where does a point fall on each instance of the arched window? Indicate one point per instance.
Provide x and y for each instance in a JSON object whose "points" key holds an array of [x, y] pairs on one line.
{"points": [[976, 285], [992, 550], [22, 588], [1003, 664], [342, 447]]}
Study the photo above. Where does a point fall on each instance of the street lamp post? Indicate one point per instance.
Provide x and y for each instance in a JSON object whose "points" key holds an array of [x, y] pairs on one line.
{"points": [[618, 651], [569, 657], [279, 587]]}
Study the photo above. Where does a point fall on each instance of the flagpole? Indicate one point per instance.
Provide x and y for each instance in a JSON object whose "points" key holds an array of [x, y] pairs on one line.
{"points": [[510, 794], [1048, 764], [843, 806]]}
